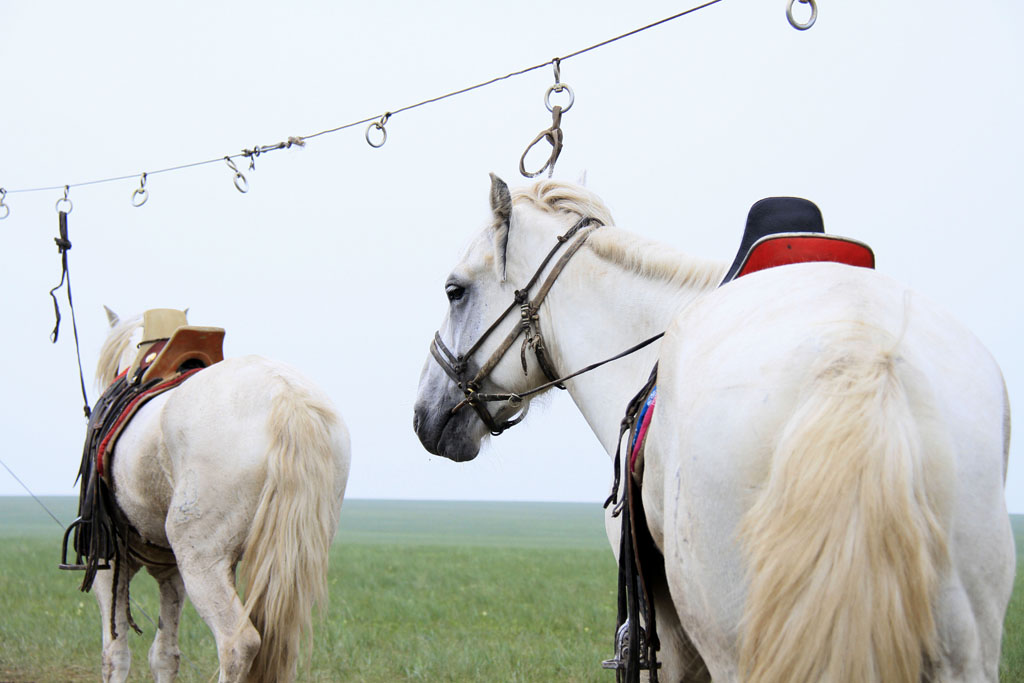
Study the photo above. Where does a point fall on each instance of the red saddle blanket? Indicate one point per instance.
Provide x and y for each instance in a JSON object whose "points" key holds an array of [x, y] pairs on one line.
{"points": [[793, 247], [113, 423]]}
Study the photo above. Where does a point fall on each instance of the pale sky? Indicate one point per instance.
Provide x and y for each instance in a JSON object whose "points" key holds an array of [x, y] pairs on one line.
{"points": [[901, 121]]}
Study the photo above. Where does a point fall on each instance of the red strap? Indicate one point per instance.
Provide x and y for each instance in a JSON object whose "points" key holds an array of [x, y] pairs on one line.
{"points": [[126, 414]]}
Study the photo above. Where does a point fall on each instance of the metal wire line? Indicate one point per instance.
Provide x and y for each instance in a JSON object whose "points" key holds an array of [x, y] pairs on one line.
{"points": [[31, 494], [268, 148]]}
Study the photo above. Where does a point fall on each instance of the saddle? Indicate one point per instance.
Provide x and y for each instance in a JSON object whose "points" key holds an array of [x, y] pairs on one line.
{"points": [[170, 353], [786, 230], [779, 231]]}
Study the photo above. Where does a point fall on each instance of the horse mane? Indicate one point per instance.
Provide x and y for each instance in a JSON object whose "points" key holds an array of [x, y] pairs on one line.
{"points": [[636, 254], [555, 197], [117, 342]]}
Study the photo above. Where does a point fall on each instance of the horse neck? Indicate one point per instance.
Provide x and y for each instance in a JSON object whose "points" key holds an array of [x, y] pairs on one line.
{"points": [[598, 309]]}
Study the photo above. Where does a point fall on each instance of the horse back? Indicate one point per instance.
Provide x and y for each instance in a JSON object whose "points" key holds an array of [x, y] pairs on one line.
{"points": [[736, 371], [210, 435]]}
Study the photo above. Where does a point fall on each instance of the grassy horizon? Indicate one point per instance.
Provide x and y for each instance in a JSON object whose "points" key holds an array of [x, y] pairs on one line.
{"points": [[419, 590]]}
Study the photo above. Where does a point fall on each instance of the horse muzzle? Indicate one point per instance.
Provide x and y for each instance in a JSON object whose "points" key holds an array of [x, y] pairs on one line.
{"points": [[456, 436]]}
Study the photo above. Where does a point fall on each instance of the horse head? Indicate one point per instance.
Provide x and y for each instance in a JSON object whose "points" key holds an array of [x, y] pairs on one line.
{"points": [[489, 353]]}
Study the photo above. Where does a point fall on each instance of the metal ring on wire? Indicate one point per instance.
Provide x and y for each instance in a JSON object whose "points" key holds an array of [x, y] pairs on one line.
{"points": [[559, 87], [3, 207], [65, 200], [807, 24], [241, 184], [379, 125], [140, 195]]}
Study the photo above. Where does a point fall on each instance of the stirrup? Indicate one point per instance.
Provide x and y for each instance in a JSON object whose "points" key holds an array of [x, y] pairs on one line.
{"points": [[77, 566], [618, 663]]}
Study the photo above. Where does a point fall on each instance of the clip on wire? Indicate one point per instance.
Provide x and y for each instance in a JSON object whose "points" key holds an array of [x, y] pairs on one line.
{"points": [[251, 154], [64, 201], [241, 184], [553, 134], [379, 125], [798, 25], [5, 210], [140, 195]]}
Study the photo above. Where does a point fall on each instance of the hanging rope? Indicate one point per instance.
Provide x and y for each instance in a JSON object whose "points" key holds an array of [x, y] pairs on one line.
{"points": [[301, 140], [64, 246]]}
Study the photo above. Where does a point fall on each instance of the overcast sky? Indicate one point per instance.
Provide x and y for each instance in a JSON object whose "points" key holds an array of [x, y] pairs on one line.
{"points": [[901, 120]]}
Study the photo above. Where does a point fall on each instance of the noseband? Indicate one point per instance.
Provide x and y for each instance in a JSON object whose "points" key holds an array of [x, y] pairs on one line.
{"points": [[457, 367]]}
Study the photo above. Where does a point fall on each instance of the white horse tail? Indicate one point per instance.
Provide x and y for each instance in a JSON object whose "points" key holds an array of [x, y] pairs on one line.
{"points": [[284, 564], [844, 543]]}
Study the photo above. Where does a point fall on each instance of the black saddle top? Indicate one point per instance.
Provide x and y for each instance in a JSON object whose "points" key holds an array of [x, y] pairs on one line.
{"points": [[774, 215]]}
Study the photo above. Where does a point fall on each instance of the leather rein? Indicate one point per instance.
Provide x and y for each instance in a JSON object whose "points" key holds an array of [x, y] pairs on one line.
{"points": [[457, 366]]}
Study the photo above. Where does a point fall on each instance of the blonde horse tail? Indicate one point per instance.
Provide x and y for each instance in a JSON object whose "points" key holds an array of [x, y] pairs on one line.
{"points": [[284, 566], [844, 543]]}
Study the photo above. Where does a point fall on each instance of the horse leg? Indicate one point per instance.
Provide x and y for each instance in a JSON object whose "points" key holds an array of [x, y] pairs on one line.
{"points": [[681, 663], [679, 659], [117, 657], [164, 655], [972, 599], [209, 578]]}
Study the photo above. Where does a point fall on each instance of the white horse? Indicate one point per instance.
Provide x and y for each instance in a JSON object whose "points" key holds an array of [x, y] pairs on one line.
{"points": [[246, 461], [824, 471]]}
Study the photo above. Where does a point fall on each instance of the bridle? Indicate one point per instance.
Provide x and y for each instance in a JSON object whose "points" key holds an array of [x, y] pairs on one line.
{"points": [[457, 367]]}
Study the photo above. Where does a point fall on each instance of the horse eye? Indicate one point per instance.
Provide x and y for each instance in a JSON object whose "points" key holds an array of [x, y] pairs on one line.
{"points": [[454, 291]]}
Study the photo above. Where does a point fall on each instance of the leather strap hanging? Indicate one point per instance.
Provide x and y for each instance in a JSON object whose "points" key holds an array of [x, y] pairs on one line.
{"points": [[64, 246], [635, 648]]}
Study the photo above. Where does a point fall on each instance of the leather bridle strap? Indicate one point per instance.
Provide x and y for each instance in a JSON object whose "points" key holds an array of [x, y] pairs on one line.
{"points": [[457, 367], [556, 382], [529, 309]]}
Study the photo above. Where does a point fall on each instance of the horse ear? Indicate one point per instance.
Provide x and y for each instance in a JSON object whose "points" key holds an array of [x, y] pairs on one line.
{"points": [[111, 317], [186, 313], [501, 200], [501, 205]]}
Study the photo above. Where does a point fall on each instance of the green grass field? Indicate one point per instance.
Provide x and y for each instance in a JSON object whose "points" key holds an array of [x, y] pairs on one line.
{"points": [[429, 591]]}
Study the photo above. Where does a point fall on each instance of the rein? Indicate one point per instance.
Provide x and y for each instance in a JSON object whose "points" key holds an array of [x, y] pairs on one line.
{"points": [[515, 398]]}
